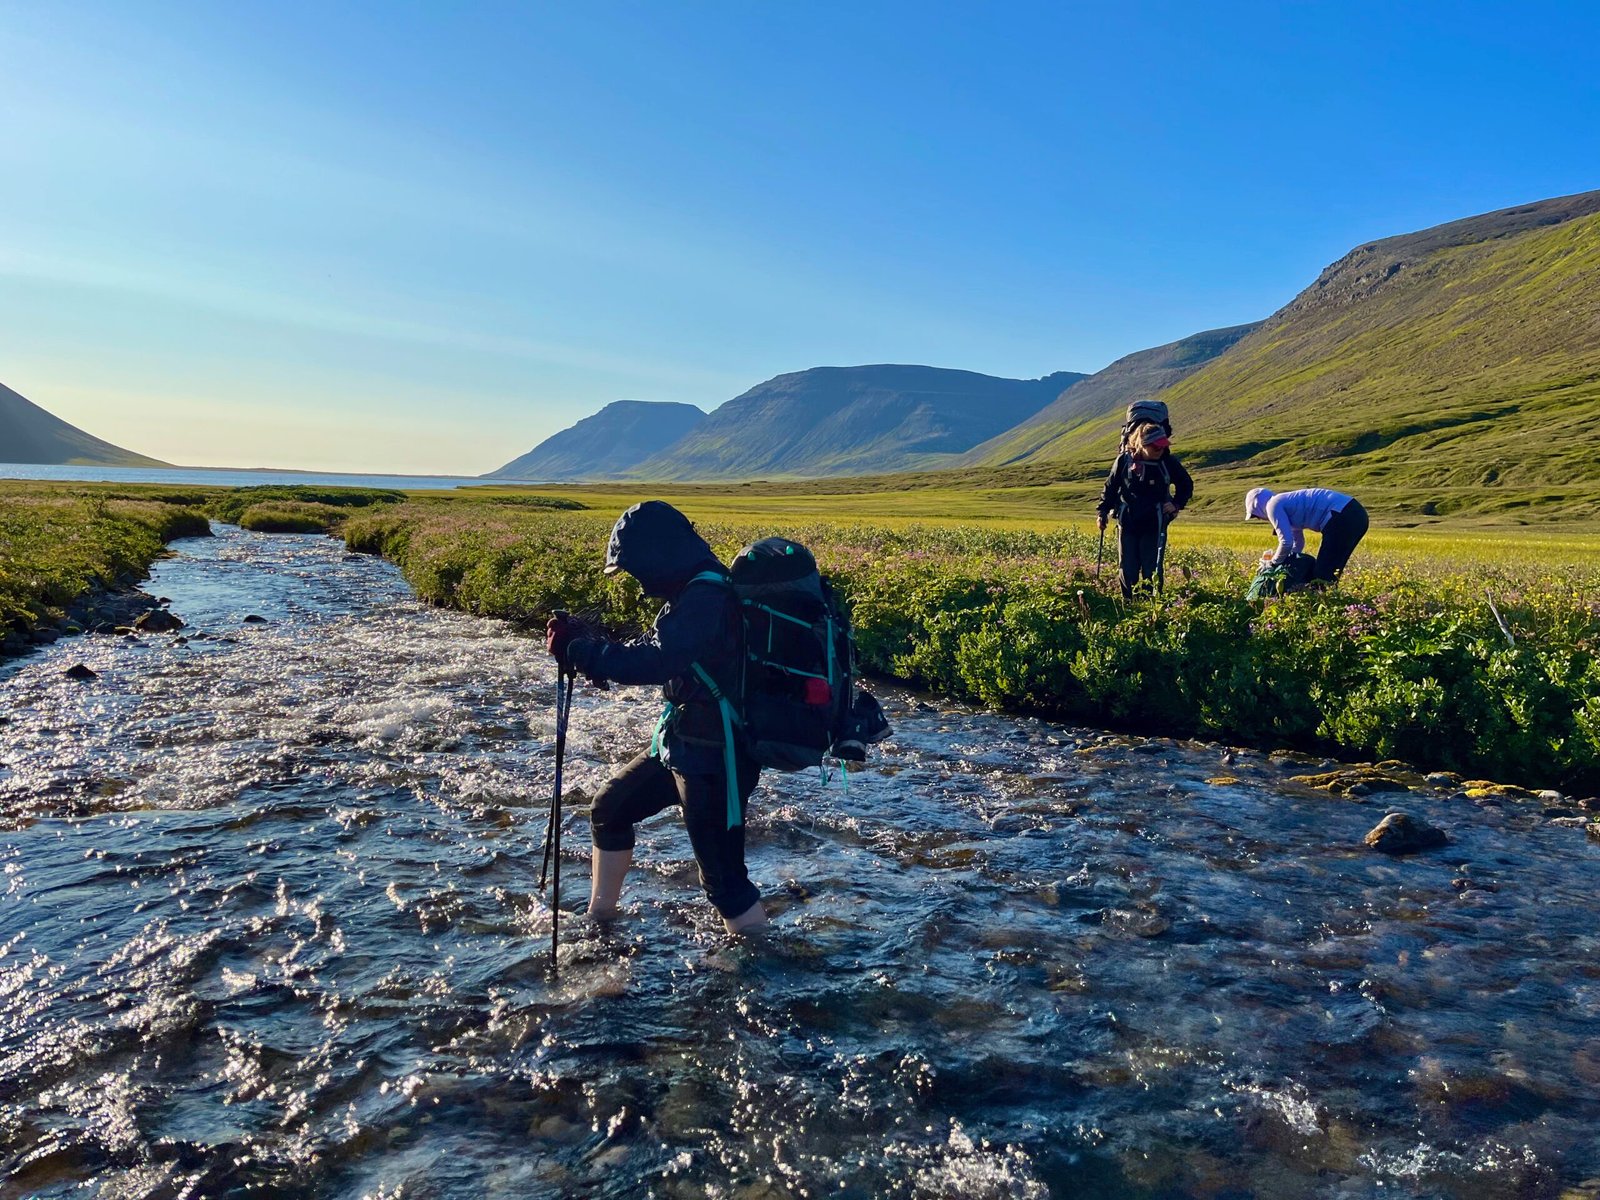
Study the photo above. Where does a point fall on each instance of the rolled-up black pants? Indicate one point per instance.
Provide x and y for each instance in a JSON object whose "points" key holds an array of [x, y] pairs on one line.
{"points": [[1340, 536], [643, 787]]}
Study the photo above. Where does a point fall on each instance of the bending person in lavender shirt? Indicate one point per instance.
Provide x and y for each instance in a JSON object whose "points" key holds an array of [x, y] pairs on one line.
{"points": [[1339, 518]]}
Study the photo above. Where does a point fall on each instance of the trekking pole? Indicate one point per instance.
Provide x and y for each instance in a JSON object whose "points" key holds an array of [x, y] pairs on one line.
{"points": [[1100, 553], [1161, 549], [566, 681]]}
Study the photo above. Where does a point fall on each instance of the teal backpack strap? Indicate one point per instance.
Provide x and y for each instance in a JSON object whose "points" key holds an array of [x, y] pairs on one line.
{"points": [[661, 728], [729, 766]]}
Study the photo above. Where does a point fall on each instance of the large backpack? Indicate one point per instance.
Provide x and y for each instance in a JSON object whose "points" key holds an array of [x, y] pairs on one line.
{"points": [[794, 700], [1145, 412], [1277, 579]]}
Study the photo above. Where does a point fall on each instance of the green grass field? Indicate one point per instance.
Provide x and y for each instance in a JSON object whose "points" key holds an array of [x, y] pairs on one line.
{"points": [[1441, 546]]}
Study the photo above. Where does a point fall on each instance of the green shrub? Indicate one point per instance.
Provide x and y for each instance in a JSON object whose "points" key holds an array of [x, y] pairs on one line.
{"points": [[230, 506], [291, 517]]}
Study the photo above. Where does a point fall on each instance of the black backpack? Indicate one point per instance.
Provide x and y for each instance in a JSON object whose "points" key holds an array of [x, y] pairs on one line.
{"points": [[795, 700], [1145, 412]]}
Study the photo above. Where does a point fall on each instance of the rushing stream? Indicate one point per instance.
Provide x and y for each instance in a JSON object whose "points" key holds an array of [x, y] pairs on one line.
{"points": [[270, 926]]}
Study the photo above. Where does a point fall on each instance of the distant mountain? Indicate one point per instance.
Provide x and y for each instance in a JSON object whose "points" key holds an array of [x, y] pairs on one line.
{"points": [[28, 434], [1047, 434], [852, 420], [618, 437], [1435, 363]]}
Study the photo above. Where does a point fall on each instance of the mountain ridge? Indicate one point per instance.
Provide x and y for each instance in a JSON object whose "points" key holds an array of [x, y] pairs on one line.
{"points": [[1131, 377], [30, 434], [605, 444], [826, 421]]}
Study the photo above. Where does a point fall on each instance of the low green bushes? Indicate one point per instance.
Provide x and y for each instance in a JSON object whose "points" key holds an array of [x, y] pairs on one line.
{"points": [[230, 506], [288, 516], [55, 546], [1405, 660]]}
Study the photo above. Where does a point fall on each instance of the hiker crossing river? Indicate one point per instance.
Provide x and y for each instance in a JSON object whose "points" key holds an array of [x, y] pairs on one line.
{"points": [[271, 925]]}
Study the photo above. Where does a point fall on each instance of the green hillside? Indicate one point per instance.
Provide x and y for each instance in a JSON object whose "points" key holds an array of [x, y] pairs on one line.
{"points": [[1130, 378], [28, 434], [1453, 370]]}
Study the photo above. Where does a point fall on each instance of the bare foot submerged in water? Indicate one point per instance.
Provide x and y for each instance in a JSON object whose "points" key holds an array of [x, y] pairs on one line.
{"points": [[610, 868], [751, 919]]}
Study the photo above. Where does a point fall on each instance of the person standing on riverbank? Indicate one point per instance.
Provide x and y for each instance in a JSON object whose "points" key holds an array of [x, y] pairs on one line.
{"points": [[1146, 489], [697, 630], [1340, 519]]}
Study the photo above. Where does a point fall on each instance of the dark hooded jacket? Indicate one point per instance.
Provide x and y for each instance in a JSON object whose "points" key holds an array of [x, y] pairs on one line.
{"points": [[656, 544]]}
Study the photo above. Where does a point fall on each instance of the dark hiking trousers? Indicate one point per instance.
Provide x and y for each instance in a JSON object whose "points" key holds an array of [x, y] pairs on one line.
{"points": [[643, 787], [1340, 536], [1138, 541]]}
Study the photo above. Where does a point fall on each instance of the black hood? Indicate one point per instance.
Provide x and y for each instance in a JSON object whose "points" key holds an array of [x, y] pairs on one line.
{"points": [[655, 543]]}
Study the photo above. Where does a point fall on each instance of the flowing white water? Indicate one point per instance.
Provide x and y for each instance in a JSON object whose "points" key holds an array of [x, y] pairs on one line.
{"points": [[270, 927]]}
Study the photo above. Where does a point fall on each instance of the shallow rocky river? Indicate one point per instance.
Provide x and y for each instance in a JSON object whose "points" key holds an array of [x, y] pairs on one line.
{"points": [[270, 926]]}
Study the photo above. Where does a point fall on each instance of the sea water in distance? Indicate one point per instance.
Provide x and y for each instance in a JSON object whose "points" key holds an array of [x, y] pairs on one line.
{"points": [[222, 477]]}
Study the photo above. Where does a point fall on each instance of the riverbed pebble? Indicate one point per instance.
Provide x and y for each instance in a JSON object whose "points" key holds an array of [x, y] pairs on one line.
{"points": [[1352, 781], [1401, 833], [1479, 789]]}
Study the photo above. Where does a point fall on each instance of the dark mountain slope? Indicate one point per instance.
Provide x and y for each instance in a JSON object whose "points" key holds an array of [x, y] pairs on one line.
{"points": [[850, 420], [28, 434], [1047, 434], [618, 437]]}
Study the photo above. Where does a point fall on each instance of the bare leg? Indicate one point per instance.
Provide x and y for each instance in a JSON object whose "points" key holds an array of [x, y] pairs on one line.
{"points": [[751, 918], [609, 868]]}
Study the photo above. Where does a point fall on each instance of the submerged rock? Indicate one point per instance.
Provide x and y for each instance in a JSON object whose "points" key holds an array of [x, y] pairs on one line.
{"points": [[1401, 833], [79, 671], [253, 619], [158, 620]]}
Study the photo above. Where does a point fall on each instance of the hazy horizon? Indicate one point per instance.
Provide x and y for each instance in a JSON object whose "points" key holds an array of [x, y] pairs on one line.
{"points": [[422, 241]]}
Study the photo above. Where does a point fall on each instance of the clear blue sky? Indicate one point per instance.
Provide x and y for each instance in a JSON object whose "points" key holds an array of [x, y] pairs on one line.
{"points": [[422, 237]]}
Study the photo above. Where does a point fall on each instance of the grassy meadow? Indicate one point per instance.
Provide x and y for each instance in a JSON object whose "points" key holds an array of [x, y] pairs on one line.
{"points": [[58, 543], [1470, 649], [996, 600]]}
